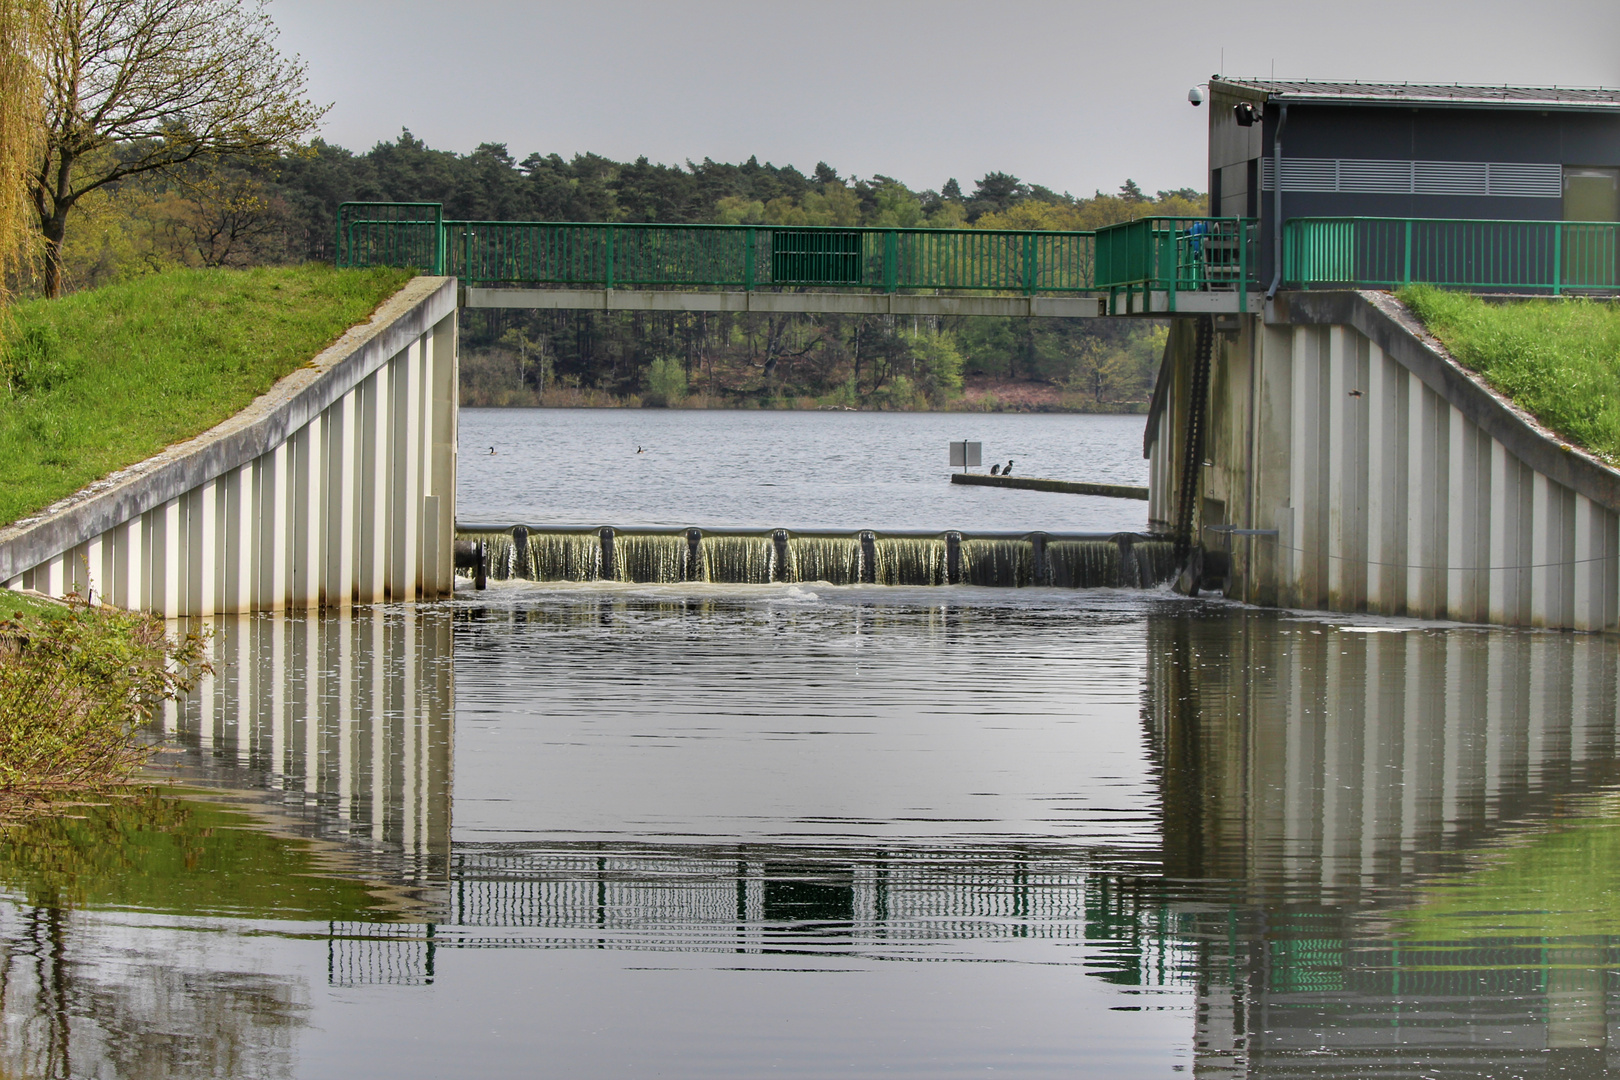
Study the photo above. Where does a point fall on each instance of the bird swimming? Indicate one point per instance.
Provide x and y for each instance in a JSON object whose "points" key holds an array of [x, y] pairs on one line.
{"points": [[491, 452], [995, 470], [1006, 470], [641, 450]]}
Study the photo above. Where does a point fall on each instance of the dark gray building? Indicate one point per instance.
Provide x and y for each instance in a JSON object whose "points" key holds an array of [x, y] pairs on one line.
{"points": [[1411, 151]]}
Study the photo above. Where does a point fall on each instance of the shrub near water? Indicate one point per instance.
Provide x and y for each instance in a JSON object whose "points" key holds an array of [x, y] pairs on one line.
{"points": [[1559, 360], [75, 685]]}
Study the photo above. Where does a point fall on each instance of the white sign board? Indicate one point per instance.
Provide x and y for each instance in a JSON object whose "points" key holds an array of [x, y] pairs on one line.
{"points": [[964, 454]]}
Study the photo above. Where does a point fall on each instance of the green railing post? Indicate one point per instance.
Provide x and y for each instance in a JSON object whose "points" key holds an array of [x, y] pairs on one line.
{"points": [[1243, 265], [466, 254], [438, 242], [749, 249], [891, 253], [1029, 264], [1406, 269], [609, 268], [1558, 258], [1173, 278]]}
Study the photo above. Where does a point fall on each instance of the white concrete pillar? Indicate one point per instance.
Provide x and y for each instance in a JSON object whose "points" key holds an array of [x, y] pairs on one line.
{"points": [[404, 515], [1588, 613], [169, 536], [340, 501], [1418, 509], [53, 580], [372, 563], [430, 547], [311, 499], [1381, 483], [1498, 605], [1459, 518], [1541, 548], [1340, 545], [276, 526], [95, 555], [206, 555], [443, 440], [1303, 488], [243, 539]]}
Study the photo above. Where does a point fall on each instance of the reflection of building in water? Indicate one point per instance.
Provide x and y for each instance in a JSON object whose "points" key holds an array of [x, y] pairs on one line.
{"points": [[347, 717], [1328, 774]]}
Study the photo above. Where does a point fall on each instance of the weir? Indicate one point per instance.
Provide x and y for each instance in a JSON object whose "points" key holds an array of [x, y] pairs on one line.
{"points": [[762, 557]]}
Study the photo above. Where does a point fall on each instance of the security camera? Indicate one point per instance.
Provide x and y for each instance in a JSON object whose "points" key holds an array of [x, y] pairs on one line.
{"points": [[1195, 97], [1245, 113]]}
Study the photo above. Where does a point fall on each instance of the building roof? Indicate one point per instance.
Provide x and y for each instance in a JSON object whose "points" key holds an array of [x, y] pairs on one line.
{"points": [[1360, 93]]}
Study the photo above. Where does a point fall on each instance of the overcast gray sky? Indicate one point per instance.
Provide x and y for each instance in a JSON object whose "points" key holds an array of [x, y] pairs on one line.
{"points": [[1076, 96]]}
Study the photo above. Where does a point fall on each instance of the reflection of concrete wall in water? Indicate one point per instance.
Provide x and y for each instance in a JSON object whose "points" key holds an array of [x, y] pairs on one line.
{"points": [[1326, 771], [1307, 754], [335, 487], [351, 713]]}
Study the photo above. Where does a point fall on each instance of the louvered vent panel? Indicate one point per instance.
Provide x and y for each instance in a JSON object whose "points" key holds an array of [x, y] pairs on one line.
{"points": [[1451, 178], [1364, 176], [1533, 181], [1375, 177]]}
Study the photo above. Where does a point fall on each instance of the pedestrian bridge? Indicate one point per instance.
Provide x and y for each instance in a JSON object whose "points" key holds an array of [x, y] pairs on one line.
{"points": [[1149, 266]]}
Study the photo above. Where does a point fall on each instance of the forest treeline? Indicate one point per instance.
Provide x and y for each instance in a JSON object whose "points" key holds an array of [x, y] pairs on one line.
{"points": [[282, 210]]}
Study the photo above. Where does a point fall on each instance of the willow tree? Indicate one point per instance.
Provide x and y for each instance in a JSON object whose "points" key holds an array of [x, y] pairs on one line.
{"points": [[143, 86], [21, 133]]}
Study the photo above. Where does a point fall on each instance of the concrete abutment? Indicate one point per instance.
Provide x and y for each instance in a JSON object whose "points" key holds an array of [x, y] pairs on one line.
{"points": [[335, 487], [1350, 464]]}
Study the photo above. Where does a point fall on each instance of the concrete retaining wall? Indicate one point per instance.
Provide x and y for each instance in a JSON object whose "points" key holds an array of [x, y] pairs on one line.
{"points": [[335, 487], [1396, 481]]}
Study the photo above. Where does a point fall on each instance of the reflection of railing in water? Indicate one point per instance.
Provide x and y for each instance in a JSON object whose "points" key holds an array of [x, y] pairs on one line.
{"points": [[1065, 560], [766, 898]]}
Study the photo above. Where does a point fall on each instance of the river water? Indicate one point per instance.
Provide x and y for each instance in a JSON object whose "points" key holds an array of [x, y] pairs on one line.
{"points": [[597, 829]]}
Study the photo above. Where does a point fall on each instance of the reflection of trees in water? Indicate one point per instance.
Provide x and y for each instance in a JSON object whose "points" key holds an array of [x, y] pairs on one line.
{"points": [[91, 1000]]}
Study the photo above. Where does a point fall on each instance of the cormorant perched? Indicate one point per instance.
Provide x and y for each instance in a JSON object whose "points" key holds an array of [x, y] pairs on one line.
{"points": [[1006, 470], [995, 470]]}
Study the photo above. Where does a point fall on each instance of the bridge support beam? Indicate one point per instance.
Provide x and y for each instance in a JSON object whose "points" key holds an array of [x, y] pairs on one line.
{"points": [[781, 303]]}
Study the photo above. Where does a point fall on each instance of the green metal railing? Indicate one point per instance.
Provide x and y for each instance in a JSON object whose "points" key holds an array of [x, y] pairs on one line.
{"points": [[743, 257], [391, 234], [1175, 255], [1514, 256]]}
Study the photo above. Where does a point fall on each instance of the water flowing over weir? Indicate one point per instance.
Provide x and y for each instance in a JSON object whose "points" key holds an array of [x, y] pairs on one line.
{"points": [[759, 557]]}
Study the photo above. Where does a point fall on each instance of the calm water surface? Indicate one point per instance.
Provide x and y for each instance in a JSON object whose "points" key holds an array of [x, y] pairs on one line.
{"points": [[697, 831], [806, 470]]}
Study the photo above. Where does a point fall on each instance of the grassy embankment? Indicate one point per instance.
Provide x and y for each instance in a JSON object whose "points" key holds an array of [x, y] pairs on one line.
{"points": [[99, 380], [1559, 360], [96, 382]]}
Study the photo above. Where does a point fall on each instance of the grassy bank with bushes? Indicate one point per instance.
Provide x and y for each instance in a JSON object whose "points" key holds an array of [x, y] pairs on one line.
{"points": [[99, 380], [76, 685], [1558, 359]]}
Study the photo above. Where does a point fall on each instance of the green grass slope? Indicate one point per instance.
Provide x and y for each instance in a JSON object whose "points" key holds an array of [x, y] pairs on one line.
{"points": [[1559, 360], [100, 380]]}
